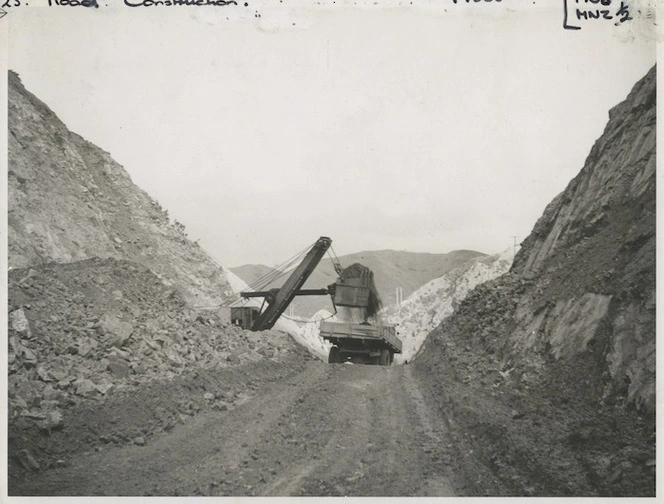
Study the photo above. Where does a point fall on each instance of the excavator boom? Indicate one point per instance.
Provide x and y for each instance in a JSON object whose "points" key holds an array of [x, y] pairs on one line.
{"points": [[279, 299]]}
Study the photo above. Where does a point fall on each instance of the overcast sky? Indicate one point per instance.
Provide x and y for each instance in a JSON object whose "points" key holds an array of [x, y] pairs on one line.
{"points": [[408, 129]]}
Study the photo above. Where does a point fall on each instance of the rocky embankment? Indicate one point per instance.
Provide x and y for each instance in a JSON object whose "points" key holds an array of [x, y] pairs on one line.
{"points": [[86, 335], [556, 359]]}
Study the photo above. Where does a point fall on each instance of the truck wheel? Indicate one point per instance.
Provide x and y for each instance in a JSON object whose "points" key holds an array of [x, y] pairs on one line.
{"points": [[334, 355], [384, 357]]}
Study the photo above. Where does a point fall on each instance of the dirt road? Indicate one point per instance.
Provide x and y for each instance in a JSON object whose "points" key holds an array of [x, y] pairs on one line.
{"points": [[331, 430]]}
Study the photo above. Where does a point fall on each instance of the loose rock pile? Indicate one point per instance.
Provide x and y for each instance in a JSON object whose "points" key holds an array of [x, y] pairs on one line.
{"points": [[82, 333]]}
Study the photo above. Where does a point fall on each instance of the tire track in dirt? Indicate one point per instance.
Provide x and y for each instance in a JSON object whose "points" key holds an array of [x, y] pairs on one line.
{"points": [[332, 430], [205, 454]]}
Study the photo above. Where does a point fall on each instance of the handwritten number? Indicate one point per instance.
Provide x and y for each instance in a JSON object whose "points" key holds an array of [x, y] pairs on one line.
{"points": [[623, 11]]}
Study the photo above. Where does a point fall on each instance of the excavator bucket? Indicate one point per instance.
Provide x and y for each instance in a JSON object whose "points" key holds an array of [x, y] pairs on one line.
{"points": [[355, 288], [351, 293]]}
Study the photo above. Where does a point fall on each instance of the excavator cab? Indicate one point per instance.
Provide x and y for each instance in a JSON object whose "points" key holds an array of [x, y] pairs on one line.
{"points": [[244, 316]]}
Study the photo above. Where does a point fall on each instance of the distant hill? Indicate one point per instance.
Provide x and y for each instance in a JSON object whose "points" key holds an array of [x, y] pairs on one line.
{"points": [[251, 273], [392, 269]]}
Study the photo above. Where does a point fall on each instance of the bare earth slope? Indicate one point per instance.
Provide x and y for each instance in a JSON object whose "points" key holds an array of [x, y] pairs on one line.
{"points": [[552, 366], [69, 201]]}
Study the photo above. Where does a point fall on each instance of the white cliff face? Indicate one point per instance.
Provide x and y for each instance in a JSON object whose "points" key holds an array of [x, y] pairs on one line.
{"points": [[429, 305]]}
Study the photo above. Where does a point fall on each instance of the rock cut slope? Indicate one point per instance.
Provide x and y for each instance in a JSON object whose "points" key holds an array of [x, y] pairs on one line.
{"points": [[70, 201], [556, 359]]}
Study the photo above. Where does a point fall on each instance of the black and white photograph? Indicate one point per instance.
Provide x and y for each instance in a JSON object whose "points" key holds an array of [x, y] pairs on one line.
{"points": [[334, 248]]}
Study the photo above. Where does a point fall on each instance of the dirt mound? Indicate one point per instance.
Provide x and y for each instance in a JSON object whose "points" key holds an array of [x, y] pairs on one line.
{"points": [[556, 359], [93, 336]]}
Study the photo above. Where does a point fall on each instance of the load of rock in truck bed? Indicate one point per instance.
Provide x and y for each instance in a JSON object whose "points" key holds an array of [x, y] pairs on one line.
{"points": [[356, 288]]}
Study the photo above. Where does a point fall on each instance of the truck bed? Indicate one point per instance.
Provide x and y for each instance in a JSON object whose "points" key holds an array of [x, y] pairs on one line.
{"points": [[369, 335]]}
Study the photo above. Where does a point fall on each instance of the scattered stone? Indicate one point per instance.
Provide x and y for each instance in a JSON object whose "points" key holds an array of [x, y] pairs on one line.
{"points": [[116, 330], [104, 386], [84, 387], [52, 421], [638, 455], [65, 382], [50, 393], [19, 402], [138, 368], [58, 375], [86, 345], [43, 374], [29, 358], [140, 441], [34, 414], [119, 368], [19, 323], [27, 460], [208, 396]]}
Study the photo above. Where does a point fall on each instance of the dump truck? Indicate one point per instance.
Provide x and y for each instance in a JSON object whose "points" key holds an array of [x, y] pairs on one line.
{"points": [[362, 343]]}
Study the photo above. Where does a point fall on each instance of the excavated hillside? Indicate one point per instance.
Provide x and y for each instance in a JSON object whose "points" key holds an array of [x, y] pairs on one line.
{"points": [[555, 361], [70, 201], [106, 345]]}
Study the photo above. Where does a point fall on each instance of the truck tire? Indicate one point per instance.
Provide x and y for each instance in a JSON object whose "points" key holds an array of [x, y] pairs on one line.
{"points": [[384, 357], [334, 355]]}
